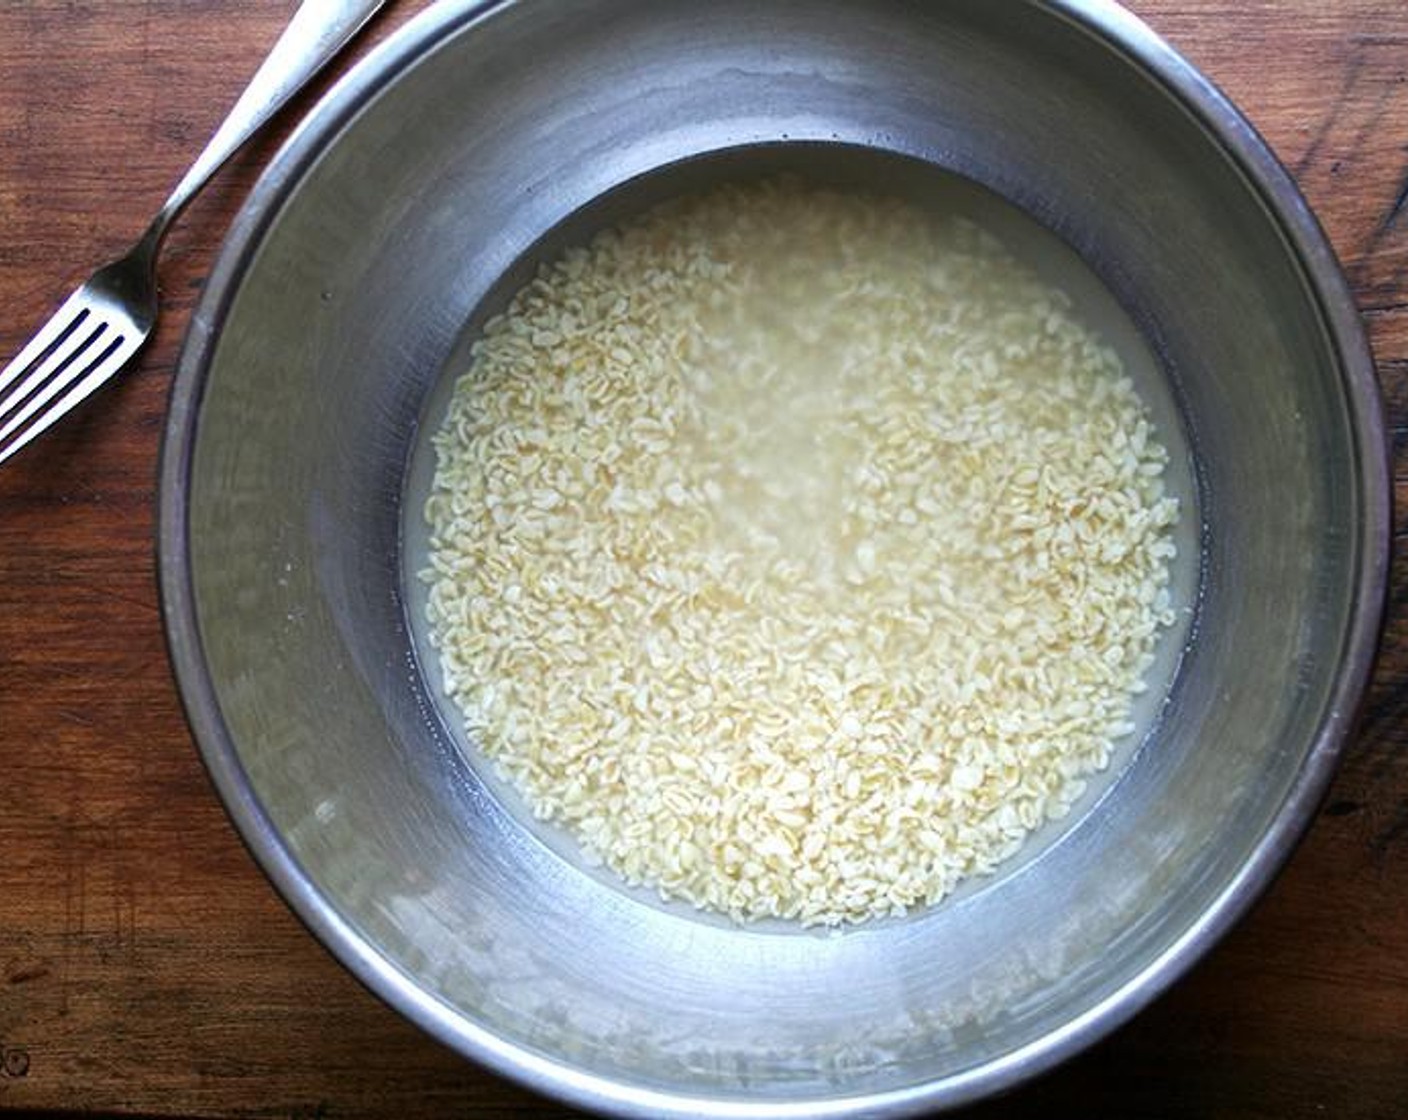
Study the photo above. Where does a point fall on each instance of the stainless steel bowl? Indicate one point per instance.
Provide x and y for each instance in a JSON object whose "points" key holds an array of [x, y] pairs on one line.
{"points": [[369, 248]]}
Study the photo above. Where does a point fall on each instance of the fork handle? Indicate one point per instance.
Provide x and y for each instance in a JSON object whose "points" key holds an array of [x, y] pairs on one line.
{"points": [[317, 31]]}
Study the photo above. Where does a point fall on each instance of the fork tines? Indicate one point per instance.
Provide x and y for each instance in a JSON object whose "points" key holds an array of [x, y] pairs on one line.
{"points": [[75, 352]]}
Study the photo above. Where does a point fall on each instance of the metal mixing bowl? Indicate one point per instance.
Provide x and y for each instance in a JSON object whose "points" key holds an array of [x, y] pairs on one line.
{"points": [[342, 298]]}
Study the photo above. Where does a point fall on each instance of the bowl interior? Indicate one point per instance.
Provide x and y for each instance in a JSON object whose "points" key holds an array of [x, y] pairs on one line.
{"points": [[844, 167], [380, 239]]}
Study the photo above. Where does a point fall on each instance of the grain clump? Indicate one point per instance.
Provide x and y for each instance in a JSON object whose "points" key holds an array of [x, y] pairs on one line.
{"points": [[798, 551]]}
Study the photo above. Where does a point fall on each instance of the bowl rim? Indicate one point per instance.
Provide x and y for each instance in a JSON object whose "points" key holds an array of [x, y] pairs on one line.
{"points": [[1127, 36]]}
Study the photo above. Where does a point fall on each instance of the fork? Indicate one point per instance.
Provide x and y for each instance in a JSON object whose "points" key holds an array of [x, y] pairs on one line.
{"points": [[105, 322]]}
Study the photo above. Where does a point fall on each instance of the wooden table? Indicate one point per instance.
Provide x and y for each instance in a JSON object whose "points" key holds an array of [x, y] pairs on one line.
{"points": [[145, 964]]}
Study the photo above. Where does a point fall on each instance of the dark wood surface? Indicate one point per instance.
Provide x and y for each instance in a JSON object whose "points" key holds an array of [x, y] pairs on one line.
{"points": [[145, 964]]}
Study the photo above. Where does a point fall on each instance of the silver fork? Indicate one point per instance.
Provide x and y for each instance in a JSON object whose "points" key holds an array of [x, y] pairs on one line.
{"points": [[105, 322]]}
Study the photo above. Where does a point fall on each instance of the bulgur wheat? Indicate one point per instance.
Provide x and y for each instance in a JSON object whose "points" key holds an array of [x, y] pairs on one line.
{"points": [[798, 551]]}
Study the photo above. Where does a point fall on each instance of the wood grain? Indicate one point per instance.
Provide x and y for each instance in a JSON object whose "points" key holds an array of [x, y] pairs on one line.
{"points": [[145, 965]]}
